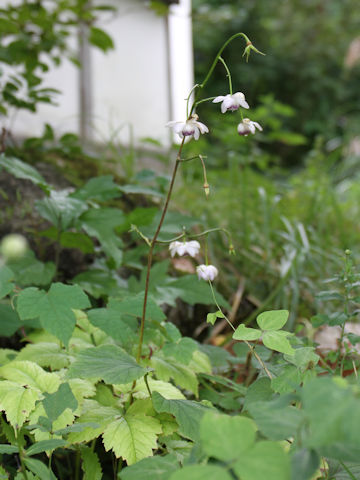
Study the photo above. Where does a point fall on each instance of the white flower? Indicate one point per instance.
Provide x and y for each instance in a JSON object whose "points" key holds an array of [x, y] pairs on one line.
{"points": [[247, 126], [190, 128], [180, 248], [232, 102], [207, 272]]}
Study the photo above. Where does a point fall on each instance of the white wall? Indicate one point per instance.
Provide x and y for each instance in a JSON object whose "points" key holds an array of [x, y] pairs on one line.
{"points": [[142, 83]]}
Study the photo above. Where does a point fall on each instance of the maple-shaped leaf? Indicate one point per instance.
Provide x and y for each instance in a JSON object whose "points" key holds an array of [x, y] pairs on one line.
{"points": [[166, 368], [108, 362], [17, 401], [29, 374], [132, 437], [53, 308]]}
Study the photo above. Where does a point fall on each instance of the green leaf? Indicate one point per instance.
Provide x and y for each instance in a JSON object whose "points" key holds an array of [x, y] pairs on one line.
{"points": [[100, 223], [99, 188], [287, 381], [272, 320], [97, 283], [278, 341], [153, 468], [30, 271], [132, 437], [303, 358], [54, 308], [77, 240], [266, 461], [201, 472], [226, 437], [44, 446], [182, 351], [166, 368], [29, 374], [9, 321], [60, 209], [108, 362], [45, 355], [39, 468], [22, 170], [55, 403], [188, 414], [194, 291], [100, 39], [90, 464], [109, 321], [133, 305], [258, 391], [211, 317], [166, 389], [244, 333], [304, 464], [276, 422], [8, 449], [17, 402], [6, 284]]}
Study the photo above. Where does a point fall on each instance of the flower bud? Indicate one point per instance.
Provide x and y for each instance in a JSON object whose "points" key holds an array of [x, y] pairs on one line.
{"points": [[207, 189], [13, 246]]}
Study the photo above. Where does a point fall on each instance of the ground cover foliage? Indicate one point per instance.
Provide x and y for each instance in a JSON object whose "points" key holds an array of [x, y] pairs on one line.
{"points": [[247, 393]]}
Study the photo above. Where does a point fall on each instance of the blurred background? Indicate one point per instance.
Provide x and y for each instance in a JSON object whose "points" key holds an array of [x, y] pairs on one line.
{"points": [[289, 195]]}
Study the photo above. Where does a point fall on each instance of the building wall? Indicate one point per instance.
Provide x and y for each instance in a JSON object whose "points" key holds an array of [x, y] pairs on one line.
{"points": [[134, 89]]}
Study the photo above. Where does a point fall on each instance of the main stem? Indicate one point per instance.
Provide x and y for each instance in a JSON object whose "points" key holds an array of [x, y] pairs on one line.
{"points": [[152, 246]]}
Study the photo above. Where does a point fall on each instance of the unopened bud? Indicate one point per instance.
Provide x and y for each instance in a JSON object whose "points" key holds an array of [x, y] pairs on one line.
{"points": [[347, 252], [231, 249], [13, 246], [248, 48], [207, 189]]}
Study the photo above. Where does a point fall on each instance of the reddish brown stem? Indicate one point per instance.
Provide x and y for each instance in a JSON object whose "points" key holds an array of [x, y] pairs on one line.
{"points": [[151, 250]]}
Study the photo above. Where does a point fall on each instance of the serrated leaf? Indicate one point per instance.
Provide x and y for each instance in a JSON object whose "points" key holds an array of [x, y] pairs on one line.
{"points": [[23, 170], [166, 368], [97, 282], [39, 468], [60, 209], [182, 351], [17, 402], [55, 403], [108, 362], [6, 284], [201, 472], [45, 445], [188, 414], [54, 308], [226, 437], [244, 333], [303, 358], [90, 464], [45, 355], [133, 305], [29, 270], [9, 321], [29, 374], [132, 437], [109, 321], [93, 413], [100, 223], [266, 461], [9, 449], [153, 468], [100, 188], [272, 320], [166, 389], [276, 340]]}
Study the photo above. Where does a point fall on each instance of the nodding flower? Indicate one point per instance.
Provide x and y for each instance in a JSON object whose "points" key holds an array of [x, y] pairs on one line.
{"points": [[190, 128], [181, 248], [232, 102], [207, 272], [247, 126]]}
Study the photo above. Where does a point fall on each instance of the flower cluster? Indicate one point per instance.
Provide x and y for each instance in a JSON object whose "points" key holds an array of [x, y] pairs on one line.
{"points": [[230, 102], [204, 272]]}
